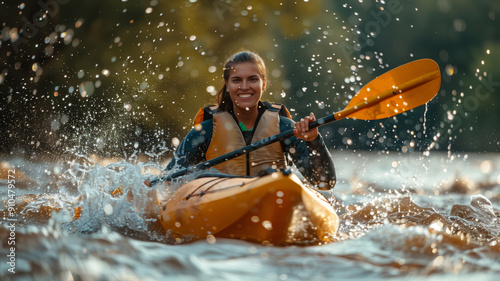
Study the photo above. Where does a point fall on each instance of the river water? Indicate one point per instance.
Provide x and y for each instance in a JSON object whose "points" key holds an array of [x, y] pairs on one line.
{"points": [[431, 216]]}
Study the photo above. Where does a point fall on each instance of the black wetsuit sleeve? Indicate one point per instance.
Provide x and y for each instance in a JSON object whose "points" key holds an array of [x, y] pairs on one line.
{"points": [[193, 147], [312, 159]]}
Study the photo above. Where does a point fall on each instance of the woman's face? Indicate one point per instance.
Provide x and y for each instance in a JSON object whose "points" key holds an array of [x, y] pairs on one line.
{"points": [[245, 86]]}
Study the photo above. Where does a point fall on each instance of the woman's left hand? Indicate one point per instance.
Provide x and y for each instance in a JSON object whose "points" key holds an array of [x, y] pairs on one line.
{"points": [[302, 130]]}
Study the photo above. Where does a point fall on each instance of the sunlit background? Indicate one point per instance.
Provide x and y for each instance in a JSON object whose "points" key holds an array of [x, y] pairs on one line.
{"points": [[121, 77]]}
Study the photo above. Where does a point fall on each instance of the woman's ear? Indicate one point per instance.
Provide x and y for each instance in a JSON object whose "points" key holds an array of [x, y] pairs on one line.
{"points": [[264, 84]]}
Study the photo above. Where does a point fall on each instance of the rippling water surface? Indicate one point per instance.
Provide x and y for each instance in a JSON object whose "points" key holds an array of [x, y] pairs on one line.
{"points": [[403, 216]]}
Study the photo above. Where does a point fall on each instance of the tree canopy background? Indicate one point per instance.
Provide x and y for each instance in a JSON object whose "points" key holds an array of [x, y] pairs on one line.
{"points": [[123, 77]]}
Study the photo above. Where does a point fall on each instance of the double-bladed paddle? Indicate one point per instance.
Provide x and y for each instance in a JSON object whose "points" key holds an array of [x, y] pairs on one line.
{"points": [[396, 91]]}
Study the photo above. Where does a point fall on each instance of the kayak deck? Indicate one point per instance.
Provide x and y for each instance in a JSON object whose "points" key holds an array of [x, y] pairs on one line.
{"points": [[275, 209]]}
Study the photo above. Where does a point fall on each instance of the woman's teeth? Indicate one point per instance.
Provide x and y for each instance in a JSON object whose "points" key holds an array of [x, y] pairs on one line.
{"points": [[245, 95]]}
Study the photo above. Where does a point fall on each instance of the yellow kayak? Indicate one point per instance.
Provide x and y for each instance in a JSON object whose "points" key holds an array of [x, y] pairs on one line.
{"points": [[274, 209]]}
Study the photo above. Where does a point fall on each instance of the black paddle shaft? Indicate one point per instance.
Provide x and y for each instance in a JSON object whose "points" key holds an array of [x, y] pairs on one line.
{"points": [[249, 148]]}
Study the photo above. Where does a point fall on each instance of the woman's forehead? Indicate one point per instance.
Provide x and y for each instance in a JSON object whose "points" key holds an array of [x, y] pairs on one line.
{"points": [[244, 69]]}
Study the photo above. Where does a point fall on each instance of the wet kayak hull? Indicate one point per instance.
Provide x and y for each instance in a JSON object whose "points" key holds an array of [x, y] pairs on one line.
{"points": [[275, 209]]}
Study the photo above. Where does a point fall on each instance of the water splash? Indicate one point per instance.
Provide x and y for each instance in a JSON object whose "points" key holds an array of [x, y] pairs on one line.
{"points": [[424, 133]]}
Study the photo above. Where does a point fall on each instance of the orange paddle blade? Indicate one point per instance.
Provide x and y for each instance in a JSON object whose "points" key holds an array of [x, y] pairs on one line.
{"points": [[396, 91]]}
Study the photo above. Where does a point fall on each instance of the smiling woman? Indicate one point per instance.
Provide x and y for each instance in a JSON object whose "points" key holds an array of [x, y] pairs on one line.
{"points": [[241, 118]]}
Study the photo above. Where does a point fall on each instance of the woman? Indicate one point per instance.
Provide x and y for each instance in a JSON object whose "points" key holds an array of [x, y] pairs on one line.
{"points": [[241, 118]]}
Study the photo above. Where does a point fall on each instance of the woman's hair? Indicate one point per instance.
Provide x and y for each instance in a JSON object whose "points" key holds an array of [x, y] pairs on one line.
{"points": [[223, 99]]}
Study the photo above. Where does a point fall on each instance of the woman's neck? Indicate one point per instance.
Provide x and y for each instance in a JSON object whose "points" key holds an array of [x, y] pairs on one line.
{"points": [[247, 117]]}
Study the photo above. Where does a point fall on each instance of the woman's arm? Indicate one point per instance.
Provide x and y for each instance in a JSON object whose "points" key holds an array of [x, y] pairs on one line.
{"points": [[312, 158], [192, 148]]}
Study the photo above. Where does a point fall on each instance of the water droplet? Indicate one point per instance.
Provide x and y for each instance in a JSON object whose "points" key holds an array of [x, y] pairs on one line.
{"points": [[450, 70], [459, 25], [13, 34], [267, 225], [211, 239], [86, 89], [486, 167], [211, 90], [175, 142], [450, 116], [80, 74], [108, 209]]}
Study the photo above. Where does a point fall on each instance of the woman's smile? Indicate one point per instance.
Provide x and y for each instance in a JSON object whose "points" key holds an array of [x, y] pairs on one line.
{"points": [[245, 95]]}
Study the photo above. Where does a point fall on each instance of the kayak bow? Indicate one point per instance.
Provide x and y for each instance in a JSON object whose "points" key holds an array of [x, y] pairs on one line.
{"points": [[275, 209]]}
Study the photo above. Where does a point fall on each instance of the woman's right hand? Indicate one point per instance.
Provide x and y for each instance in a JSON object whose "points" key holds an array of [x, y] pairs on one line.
{"points": [[302, 130]]}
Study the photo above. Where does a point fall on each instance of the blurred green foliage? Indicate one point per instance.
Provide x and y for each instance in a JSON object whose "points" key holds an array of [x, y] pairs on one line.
{"points": [[121, 77]]}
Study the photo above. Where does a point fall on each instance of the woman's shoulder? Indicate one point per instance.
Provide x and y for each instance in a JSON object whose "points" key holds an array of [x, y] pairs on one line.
{"points": [[286, 123], [204, 114], [280, 108], [204, 126]]}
